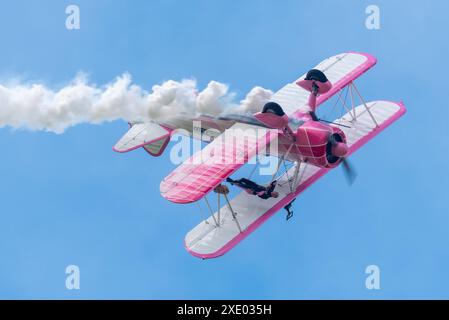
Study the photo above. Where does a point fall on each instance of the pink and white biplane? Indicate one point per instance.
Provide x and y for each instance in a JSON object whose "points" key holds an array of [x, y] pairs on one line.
{"points": [[309, 145]]}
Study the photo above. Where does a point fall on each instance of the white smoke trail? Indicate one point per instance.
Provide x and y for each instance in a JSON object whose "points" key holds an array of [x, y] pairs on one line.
{"points": [[37, 107]]}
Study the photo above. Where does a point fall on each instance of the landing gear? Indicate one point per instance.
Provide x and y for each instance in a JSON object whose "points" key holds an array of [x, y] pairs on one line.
{"points": [[289, 210]]}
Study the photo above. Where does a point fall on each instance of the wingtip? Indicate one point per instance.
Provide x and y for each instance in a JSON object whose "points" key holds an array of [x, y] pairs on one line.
{"points": [[117, 150], [370, 57]]}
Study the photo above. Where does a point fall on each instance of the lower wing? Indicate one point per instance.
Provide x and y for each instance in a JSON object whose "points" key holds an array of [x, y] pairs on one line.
{"points": [[246, 212]]}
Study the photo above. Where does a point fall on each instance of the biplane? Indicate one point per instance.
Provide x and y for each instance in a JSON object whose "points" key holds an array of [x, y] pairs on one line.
{"points": [[310, 145]]}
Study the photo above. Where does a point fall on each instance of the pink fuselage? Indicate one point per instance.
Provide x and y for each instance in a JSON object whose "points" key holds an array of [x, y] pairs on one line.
{"points": [[312, 144]]}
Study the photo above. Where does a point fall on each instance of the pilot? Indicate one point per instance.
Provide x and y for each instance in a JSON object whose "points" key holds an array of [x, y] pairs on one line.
{"points": [[255, 189]]}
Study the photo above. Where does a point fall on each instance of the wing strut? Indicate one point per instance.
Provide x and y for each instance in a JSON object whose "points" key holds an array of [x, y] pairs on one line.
{"points": [[217, 223], [253, 171], [283, 157], [234, 215], [352, 85], [291, 181], [294, 182], [224, 190]]}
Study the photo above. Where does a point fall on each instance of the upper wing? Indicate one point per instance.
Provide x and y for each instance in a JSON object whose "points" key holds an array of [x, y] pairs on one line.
{"points": [[206, 169], [143, 134], [340, 70], [209, 241]]}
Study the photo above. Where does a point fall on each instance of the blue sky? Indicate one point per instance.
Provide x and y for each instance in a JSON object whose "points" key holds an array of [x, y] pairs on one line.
{"points": [[69, 199]]}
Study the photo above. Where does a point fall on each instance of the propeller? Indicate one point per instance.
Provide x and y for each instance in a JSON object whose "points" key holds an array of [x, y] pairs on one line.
{"points": [[339, 150], [349, 171]]}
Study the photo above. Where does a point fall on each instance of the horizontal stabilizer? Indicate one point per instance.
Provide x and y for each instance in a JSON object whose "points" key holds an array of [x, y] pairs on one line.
{"points": [[157, 148], [149, 135]]}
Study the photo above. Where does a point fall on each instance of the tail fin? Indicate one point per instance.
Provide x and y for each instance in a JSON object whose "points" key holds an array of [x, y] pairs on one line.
{"points": [[157, 148]]}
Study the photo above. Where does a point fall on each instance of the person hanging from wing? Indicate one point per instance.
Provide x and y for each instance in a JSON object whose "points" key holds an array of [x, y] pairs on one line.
{"points": [[255, 189]]}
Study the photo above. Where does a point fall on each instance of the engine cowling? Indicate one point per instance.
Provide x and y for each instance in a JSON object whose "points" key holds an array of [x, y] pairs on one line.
{"points": [[321, 144]]}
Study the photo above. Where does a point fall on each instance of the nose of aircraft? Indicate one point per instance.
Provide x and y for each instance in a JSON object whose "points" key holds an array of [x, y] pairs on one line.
{"points": [[340, 149]]}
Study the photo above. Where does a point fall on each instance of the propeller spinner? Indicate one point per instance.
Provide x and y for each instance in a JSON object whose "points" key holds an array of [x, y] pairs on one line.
{"points": [[339, 150]]}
